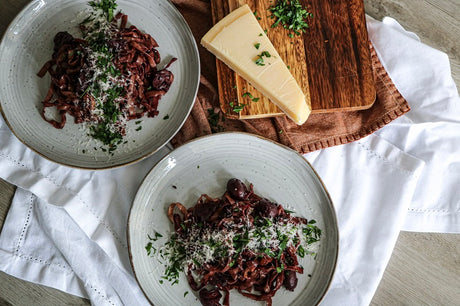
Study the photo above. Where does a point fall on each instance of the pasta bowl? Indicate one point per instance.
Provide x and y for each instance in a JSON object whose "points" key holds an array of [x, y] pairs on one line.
{"points": [[28, 44], [203, 166]]}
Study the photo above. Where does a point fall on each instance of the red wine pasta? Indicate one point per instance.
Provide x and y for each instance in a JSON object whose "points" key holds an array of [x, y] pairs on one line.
{"points": [[240, 241], [106, 78]]}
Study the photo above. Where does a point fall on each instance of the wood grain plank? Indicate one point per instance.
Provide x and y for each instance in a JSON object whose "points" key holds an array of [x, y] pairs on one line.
{"points": [[6, 196], [16, 292], [406, 283], [226, 89], [337, 56], [331, 61]]}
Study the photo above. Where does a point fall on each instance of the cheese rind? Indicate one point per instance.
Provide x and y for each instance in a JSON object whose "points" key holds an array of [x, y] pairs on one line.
{"points": [[233, 39]]}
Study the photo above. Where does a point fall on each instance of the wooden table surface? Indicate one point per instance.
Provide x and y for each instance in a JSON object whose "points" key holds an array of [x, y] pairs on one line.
{"points": [[424, 268]]}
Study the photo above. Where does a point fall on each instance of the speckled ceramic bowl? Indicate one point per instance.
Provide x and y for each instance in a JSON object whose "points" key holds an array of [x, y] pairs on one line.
{"points": [[204, 166], [28, 44]]}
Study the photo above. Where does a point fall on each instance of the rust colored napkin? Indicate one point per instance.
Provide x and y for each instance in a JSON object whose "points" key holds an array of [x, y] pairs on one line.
{"points": [[319, 132]]}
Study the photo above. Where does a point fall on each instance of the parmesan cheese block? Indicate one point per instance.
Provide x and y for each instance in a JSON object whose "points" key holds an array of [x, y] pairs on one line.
{"points": [[240, 42]]}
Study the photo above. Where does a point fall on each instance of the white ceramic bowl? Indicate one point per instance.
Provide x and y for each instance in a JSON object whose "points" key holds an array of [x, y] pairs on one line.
{"points": [[27, 45], [204, 166]]}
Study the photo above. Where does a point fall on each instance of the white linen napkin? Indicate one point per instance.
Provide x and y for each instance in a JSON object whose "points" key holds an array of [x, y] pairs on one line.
{"points": [[41, 243], [430, 131], [66, 227]]}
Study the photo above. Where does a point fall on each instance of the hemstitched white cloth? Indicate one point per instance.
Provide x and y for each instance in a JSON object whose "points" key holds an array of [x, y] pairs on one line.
{"points": [[430, 131], [52, 250], [67, 228]]}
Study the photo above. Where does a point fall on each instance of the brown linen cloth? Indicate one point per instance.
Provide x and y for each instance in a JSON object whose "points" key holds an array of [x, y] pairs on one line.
{"points": [[319, 132]]}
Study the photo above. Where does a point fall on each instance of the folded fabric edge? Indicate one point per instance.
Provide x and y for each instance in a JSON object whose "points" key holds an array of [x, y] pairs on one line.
{"points": [[432, 221], [15, 262], [409, 166], [392, 155], [46, 189], [354, 287], [393, 23], [32, 269]]}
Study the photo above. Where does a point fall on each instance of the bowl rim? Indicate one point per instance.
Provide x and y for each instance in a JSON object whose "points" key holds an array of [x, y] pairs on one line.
{"points": [[333, 210], [189, 33]]}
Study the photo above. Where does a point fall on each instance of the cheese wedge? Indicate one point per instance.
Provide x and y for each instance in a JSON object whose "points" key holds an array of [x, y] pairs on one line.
{"points": [[240, 42]]}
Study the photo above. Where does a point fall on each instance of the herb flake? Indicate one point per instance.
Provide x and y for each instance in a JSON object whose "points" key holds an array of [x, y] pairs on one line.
{"points": [[106, 6], [291, 15], [260, 58], [214, 121], [238, 108]]}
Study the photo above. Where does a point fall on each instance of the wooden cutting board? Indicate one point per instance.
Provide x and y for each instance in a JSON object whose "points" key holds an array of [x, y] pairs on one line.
{"points": [[331, 61]]}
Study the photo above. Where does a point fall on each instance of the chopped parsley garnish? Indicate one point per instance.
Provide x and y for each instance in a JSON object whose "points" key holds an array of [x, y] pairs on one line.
{"points": [[265, 53], [166, 117], [104, 89], [260, 58], [257, 45], [312, 232], [200, 245], [280, 269], [203, 244], [104, 61], [106, 6], [97, 39], [155, 238], [114, 92], [237, 108], [149, 248], [214, 121], [104, 79], [291, 14], [248, 94], [259, 61], [301, 251], [103, 132], [84, 92]]}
